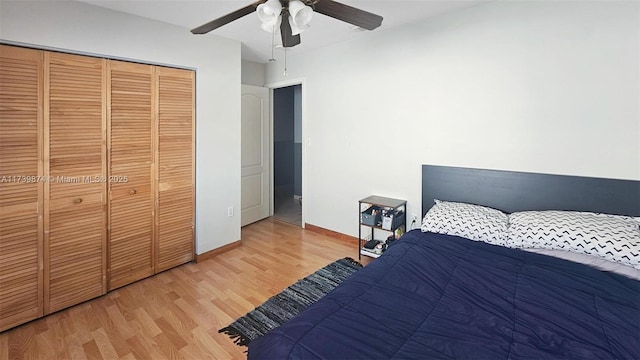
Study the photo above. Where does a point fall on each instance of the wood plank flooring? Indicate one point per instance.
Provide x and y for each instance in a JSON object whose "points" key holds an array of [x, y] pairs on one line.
{"points": [[176, 314]]}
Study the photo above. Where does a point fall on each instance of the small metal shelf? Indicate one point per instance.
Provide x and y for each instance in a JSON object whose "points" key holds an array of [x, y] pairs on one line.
{"points": [[395, 206]]}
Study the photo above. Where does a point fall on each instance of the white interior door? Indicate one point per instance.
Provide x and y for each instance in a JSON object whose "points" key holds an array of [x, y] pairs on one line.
{"points": [[255, 175]]}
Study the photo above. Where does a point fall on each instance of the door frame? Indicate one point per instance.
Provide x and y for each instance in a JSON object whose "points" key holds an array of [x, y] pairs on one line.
{"points": [[303, 110]]}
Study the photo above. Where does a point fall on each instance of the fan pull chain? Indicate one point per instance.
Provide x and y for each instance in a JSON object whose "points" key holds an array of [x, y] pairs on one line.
{"points": [[285, 61], [273, 43]]}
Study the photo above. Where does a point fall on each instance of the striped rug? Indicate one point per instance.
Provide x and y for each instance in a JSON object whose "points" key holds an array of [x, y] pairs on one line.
{"points": [[290, 302]]}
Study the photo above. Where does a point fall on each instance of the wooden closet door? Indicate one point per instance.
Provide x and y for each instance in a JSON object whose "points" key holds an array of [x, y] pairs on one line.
{"points": [[21, 185], [131, 195], [175, 214], [75, 225]]}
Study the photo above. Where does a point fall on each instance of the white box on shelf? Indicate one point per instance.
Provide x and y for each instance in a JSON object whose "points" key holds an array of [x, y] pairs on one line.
{"points": [[387, 222]]}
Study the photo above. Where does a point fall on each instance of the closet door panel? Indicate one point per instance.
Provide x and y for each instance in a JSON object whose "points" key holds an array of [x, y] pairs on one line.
{"points": [[131, 200], [21, 185], [75, 259], [175, 167], [75, 228]]}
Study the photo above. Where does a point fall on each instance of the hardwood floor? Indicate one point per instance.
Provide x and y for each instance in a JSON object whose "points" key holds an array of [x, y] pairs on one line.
{"points": [[176, 314]]}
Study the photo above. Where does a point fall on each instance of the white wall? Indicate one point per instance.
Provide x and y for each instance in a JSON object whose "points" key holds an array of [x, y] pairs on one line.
{"points": [[252, 73], [80, 27], [538, 86]]}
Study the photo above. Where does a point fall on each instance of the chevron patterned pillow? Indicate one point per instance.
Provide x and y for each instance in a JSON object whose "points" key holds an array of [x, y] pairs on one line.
{"points": [[611, 237], [470, 221]]}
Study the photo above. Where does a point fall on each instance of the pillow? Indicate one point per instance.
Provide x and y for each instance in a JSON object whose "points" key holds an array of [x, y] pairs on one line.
{"points": [[473, 222], [611, 237], [593, 261]]}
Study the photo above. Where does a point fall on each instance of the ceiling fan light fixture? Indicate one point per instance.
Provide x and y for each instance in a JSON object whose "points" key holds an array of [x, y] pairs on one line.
{"points": [[301, 14], [295, 29], [269, 14]]}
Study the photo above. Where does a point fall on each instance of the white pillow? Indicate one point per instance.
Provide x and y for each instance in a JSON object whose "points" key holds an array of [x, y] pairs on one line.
{"points": [[473, 222], [611, 237]]}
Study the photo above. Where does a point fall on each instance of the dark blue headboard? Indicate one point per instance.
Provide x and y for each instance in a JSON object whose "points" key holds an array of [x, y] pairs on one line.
{"points": [[511, 191]]}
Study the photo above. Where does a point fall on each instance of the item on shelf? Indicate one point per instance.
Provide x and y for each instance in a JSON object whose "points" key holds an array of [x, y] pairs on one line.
{"points": [[370, 216], [390, 240], [391, 219], [387, 219], [379, 249], [371, 244]]}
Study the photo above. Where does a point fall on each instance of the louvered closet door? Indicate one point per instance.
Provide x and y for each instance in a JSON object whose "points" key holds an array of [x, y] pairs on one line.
{"points": [[20, 186], [75, 233], [131, 195], [175, 167]]}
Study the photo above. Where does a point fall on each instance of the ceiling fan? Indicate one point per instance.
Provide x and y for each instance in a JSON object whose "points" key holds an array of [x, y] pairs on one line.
{"points": [[291, 17]]}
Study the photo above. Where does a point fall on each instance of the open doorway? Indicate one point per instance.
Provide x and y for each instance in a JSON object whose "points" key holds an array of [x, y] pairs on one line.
{"points": [[287, 154]]}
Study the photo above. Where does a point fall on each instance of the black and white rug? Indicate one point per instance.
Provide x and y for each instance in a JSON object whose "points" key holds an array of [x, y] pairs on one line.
{"points": [[290, 302]]}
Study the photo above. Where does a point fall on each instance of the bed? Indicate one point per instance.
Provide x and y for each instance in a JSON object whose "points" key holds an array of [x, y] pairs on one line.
{"points": [[440, 295]]}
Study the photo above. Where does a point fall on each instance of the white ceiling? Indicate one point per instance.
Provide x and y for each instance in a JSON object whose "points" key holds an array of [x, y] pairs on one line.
{"points": [[256, 43]]}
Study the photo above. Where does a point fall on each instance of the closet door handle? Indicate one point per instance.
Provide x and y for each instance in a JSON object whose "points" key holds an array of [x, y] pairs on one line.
{"points": [[77, 201], [132, 192]]}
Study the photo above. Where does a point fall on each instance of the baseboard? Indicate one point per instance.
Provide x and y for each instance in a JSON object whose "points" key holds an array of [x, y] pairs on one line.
{"points": [[333, 234], [217, 251]]}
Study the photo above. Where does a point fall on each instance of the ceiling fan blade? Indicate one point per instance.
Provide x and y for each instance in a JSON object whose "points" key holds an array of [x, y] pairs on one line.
{"points": [[214, 24], [346, 13], [288, 39]]}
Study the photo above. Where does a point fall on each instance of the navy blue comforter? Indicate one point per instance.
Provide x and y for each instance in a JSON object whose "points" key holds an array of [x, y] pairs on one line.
{"points": [[446, 297]]}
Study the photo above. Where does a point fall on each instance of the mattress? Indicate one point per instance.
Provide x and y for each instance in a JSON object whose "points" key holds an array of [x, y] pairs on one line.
{"points": [[446, 297]]}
